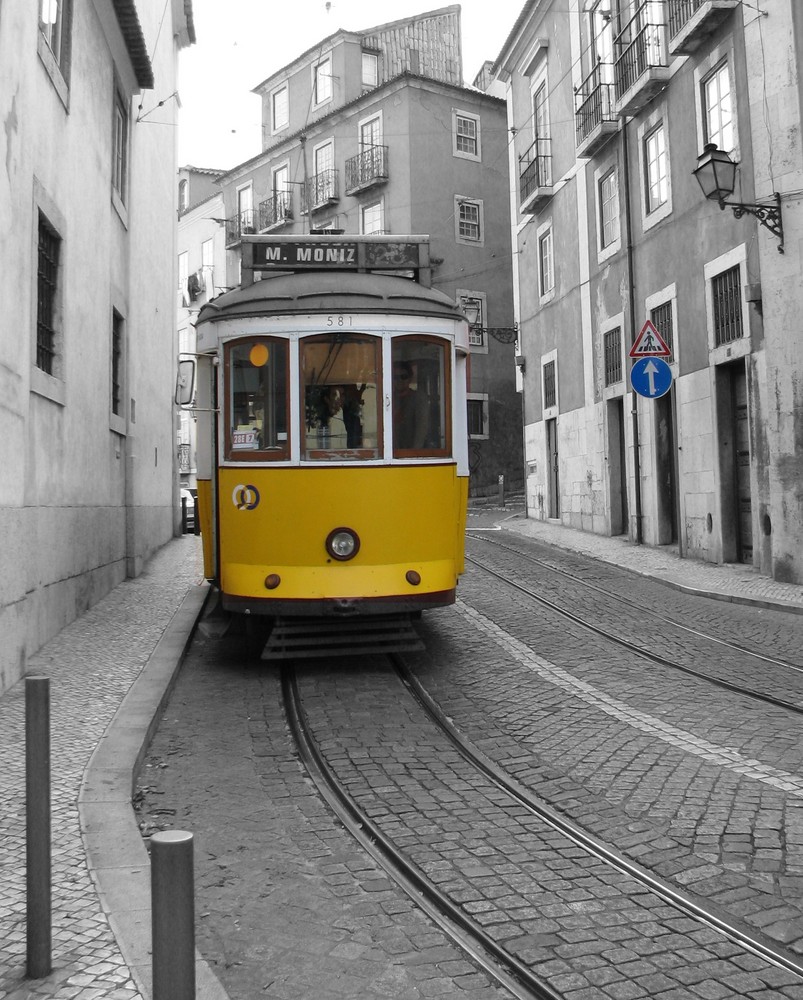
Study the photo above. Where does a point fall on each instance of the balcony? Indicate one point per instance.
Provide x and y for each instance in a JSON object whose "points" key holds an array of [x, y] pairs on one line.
{"points": [[320, 191], [367, 169], [241, 224], [535, 176], [595, 117], [275, 211], [692, 21], [641, 70]]}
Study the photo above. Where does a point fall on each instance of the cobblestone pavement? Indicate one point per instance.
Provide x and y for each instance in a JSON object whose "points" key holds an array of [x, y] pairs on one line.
{"points": [[91, 664], [288, 904]]}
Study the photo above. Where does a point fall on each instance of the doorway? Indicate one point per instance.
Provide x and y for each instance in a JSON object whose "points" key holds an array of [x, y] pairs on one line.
{"points": [[737, 500], [617, 466], [552, 462], [666, 468]]}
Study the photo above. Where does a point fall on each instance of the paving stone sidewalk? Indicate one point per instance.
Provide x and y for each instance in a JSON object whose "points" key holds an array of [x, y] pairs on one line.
{"points": [[91, 664]]}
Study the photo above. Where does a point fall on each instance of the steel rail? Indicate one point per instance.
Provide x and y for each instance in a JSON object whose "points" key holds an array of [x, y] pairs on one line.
{"points": [[640, 650], [505, 968], [585, 840], [641, 610]]}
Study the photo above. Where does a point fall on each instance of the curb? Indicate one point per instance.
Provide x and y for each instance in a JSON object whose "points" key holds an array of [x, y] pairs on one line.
{"points": [[117, 858]]}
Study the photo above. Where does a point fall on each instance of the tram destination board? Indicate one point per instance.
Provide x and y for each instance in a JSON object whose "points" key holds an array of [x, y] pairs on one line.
{"points": [[335, 253]]}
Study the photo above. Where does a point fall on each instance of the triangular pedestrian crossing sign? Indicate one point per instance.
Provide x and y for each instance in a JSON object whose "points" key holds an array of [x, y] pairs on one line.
{"points": [[649, 344]]}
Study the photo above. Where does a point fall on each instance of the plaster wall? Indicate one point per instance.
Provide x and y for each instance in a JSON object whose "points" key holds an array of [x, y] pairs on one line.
{"points": [[85, 495]]}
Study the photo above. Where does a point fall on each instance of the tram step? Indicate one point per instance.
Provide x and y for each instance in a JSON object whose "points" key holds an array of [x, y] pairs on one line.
{"points": [[302, 638]]}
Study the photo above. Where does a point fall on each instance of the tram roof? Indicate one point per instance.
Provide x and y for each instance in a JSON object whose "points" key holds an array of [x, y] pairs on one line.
{"points": [[326, 292]]}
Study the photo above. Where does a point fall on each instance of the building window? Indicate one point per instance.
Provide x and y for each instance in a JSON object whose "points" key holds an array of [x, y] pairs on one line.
{"points": [[208, 254], [655, 168], [612, 342], [477, 415], [542, 151], [546, 268], [370, 69], [550, 387], [184, 277], [117, 363], [469, 221], [718, 119], [120, 146], [322, 86], [54, 18], [47, 278], [609, 209], [183, 196], [280, 102], [465, 135], [474, 305], [726, 291], [245, 210], [661, 319], [371, 218]]}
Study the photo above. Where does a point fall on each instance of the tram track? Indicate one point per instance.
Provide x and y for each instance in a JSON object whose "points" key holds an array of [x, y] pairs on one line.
{"points": [[640, 649], [499, 961], [466, 933]]}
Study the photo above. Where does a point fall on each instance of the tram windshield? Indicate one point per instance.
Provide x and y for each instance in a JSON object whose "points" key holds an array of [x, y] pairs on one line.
{"points": [[257, 399], [420, 398], [340, 374]]}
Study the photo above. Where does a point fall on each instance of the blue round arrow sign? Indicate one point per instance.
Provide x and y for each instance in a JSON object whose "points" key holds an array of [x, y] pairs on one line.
{"points": [[651, 377]]}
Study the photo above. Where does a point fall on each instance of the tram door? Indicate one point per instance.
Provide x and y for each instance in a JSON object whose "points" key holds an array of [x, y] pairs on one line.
{"points": [[617, 465], [666, 478], [552, 460]]}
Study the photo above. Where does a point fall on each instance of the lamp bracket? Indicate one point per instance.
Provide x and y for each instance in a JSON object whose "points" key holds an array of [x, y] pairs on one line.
{"points": [[768, 215], [504, 334]]}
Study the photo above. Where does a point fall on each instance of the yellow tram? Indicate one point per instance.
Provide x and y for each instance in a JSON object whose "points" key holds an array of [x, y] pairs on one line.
{"points": [[332, 446]]}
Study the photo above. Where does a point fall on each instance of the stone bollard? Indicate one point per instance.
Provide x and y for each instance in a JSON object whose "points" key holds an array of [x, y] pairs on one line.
{"points": [[173, 915]]}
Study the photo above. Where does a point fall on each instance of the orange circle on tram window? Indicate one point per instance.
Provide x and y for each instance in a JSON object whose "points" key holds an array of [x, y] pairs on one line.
{"points": [[258, 355]]}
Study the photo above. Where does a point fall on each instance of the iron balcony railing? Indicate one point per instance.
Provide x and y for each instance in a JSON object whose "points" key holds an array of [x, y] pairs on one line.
{"points": [[680, 13], [320, 190], [240, 224], [275, 210], [641, 45], [535, 169], [367, 168], [595, 101]]}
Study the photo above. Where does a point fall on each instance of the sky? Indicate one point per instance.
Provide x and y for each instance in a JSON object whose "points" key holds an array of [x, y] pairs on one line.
{"points": [[239, 43]]}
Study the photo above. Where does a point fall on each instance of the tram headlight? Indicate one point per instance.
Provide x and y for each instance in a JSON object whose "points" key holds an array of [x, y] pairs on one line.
{"points": [[342, 544]]}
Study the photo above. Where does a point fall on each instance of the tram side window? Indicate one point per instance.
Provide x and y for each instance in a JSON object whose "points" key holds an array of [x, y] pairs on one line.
{"points": [[257, 400], [420, 398], [340, 375]]}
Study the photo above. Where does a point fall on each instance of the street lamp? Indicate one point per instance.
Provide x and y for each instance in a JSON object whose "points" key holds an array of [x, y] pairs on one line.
{"points": [[716, 175], [472, 310]]}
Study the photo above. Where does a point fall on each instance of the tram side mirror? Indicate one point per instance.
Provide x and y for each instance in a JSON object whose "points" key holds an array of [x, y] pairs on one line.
{"points": [[185, 382]]}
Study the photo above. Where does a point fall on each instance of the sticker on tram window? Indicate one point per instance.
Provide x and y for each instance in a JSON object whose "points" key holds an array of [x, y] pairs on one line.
{"points": [[245, 497], [245, 439]]}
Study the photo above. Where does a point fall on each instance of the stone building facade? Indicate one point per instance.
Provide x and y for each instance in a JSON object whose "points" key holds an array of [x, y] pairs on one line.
{"points": [[613, 104], [87, 342]]}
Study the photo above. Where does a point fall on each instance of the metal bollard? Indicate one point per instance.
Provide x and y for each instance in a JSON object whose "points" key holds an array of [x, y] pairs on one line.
{"points": [[37, 820], [501, 482], [173, 915]]}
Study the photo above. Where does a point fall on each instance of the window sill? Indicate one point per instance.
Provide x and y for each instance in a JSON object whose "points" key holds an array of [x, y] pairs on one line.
{"points": [[53, 70], [48, 386], [119, 207]]}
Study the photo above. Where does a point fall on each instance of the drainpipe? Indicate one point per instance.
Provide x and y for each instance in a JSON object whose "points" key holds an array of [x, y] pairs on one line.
{"points": [[631, 297]]}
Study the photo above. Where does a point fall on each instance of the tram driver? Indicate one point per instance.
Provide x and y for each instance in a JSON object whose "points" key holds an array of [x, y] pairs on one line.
{"points": [[410, 409]]}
